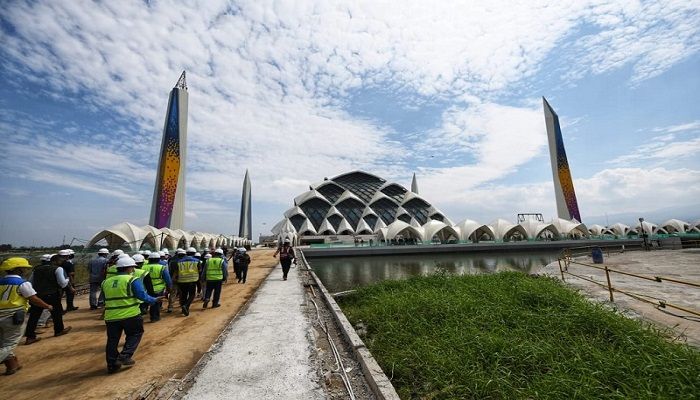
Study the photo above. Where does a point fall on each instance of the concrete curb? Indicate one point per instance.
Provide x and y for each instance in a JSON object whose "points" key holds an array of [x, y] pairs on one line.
{"points": [[376, 378], [174, 389]]}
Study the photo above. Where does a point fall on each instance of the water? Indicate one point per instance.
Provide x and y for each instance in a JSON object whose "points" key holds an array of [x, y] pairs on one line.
{"points": [[344, 273]]}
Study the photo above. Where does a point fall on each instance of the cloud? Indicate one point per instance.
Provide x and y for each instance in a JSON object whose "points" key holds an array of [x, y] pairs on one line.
{"points": [[672, 146], [690, 126]]}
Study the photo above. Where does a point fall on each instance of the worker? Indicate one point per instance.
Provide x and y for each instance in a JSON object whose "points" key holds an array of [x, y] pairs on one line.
{"points": [[199, 293], [145, 277], [215, 274], [45, 313], [243, 260], [187, 277], [286, 252], [164, 256], [172, 268], [16, 292], [69, 271], [160, 278], [122, 294], [48, 281], [96, 268]]}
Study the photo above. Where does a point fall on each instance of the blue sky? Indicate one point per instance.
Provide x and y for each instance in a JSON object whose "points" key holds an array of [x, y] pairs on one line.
{"points": [[295, 92]]}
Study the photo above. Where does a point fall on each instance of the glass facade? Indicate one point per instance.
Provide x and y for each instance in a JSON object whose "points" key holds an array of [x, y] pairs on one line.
{"points": [[315, 209], [371, 220], [297, 220], [335, 221], [418, 209], [395, 191], [331, 191], [351, 210], [361, 184], [385, 209]]}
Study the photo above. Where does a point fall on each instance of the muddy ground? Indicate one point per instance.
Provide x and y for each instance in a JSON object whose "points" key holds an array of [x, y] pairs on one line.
{"points": [[73, 366]]}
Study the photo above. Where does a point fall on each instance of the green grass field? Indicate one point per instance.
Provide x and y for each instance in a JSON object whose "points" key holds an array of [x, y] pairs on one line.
{"points": [[513, 336]]}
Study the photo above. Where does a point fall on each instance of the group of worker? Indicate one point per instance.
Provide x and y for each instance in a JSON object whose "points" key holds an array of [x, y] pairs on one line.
{"points": [[126, 286]]}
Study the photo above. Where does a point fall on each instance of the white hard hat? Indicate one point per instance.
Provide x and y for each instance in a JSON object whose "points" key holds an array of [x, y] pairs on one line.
{"points": [[103, 251], [162, 253], [71, 251], [124, 255], [165, 251], [191, 250], [46, 257], [154, 255], [286, 240], [146, 252], [242, 249], [219, 251], [124, 262], [197, 255], [138, 258], [63, 252], [180, 251], [207, 256], [136, 254], [118, 252], [140, 252]]}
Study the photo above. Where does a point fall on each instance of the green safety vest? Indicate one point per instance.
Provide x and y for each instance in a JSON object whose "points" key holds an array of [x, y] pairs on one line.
{"points": [[156, 272], [213, 269], [112, 271], [140, 273], [187, 271], [120, 301]]}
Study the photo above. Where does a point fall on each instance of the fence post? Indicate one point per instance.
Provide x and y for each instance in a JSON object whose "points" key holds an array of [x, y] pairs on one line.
{"points": [[561, 270], [610, 289]]}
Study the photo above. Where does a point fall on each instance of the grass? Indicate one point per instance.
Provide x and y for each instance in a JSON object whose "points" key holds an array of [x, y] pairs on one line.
{"points": [[513, 336]]}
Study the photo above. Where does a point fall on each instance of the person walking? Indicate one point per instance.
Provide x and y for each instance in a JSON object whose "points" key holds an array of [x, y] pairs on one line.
{"points": [[145, 277], [243, 263], [15, 293], [122, 314], [69, 272], [48, 281], [96, 270], [286, 253], [215, 274], [172, 268], [235, 257], [160, 278], [187, 277]]}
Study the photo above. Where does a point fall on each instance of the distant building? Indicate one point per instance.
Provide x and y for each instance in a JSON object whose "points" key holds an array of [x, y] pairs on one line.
{"points": [[168, 206]]}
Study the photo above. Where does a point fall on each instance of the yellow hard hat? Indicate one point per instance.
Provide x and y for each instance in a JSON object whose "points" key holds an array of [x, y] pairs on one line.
{"points": [[14, 262]]}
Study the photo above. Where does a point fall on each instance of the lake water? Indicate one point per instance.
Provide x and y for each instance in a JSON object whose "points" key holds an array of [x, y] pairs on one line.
{"points": [[344, 273]]}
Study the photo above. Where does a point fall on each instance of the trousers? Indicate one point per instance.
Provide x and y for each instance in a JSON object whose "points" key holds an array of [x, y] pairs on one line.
{"points": [[95, 299], [133, 329], [187, 293], [53, 299], [10, 335], [215, 287]]}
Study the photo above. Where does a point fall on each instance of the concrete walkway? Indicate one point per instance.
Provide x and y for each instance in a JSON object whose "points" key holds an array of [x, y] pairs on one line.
{"points": [[267, 353]]}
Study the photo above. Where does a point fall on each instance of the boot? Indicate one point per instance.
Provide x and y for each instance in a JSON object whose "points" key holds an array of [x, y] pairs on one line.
{"points": [[12, 365]]}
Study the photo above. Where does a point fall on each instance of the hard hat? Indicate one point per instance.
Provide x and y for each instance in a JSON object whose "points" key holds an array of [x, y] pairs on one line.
{"points": [[287, 240], [191, 250], [219, 251], [46, 257], [146, 252], [165, 251], [118, 252], [125, 262], [242, 249], [71, 252], [140, 252], [197, 255], [179, 251], [103, 251], [154, 255], [14, 262], [63, 252], [138, 258], [207, 256], [162, 253], [123, 255]]}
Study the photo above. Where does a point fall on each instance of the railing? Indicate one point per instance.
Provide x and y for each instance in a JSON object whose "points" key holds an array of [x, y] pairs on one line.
{"points": [[566, 260]]}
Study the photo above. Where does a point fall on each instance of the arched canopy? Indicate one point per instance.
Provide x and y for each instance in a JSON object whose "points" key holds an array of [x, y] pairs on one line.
{"points": [[676, 226], [537, 230], [400, 228], [122, 234], [474, 231], [438, 229]]}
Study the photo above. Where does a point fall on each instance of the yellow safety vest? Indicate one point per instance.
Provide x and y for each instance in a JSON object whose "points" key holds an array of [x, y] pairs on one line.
{"points": [[156, 272], [120, 301], [112, 271], [10, 297], [213, 269], [187, 271]]}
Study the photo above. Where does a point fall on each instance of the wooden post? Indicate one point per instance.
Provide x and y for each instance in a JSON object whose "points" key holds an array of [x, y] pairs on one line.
{"points": [[610, 289], [561, 270]]}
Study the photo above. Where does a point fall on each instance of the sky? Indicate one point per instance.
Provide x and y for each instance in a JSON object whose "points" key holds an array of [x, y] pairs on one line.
{"points": [[298, 91]]}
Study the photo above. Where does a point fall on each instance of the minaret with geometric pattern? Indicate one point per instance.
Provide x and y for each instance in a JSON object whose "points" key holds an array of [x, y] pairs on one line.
{"points": [[567, 206], [168, 206], [245, 226]]}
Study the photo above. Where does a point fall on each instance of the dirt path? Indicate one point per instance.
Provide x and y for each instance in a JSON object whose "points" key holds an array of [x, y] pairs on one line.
{"points": [[73, 366]]}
